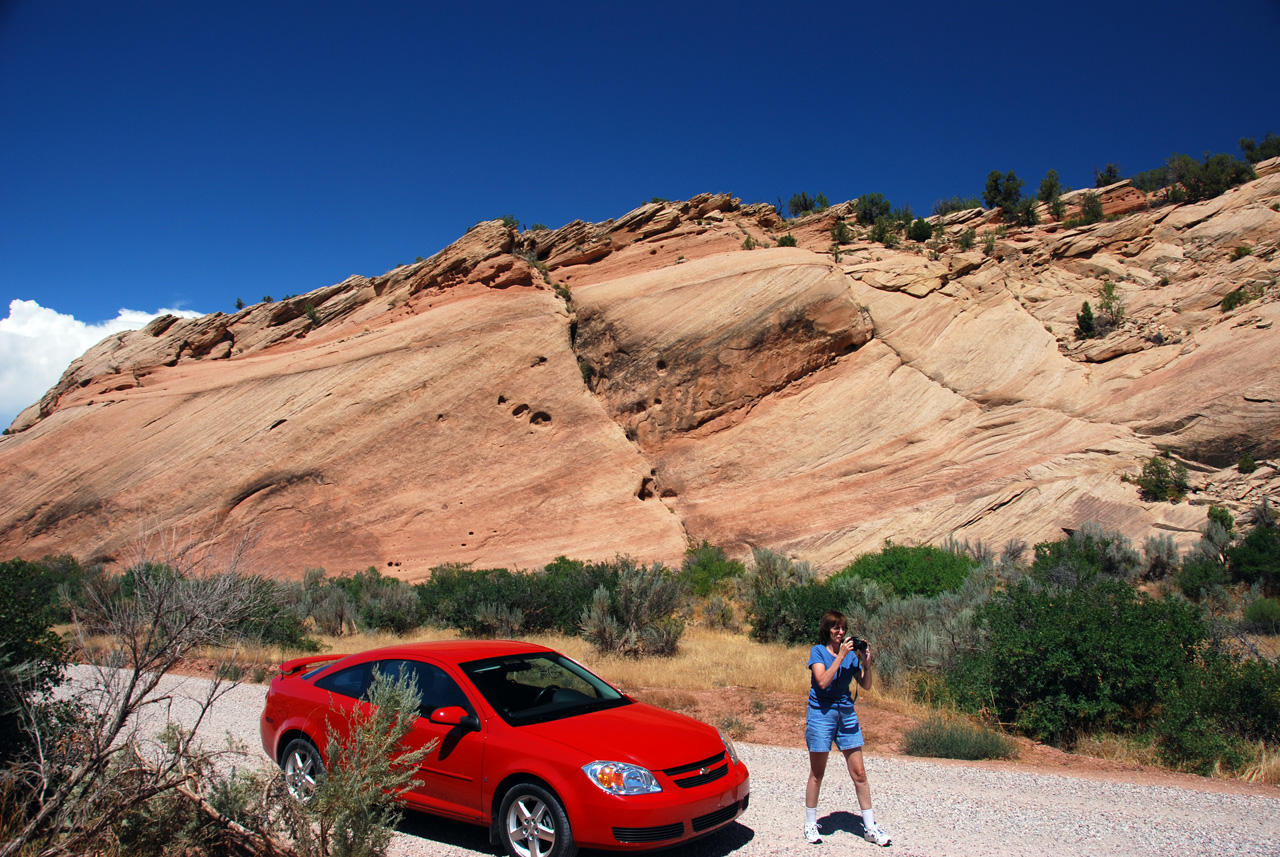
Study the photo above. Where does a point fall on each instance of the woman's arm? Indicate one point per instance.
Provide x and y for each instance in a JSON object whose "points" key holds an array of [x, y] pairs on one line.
{"points": [[825, 675], [864, 680]]}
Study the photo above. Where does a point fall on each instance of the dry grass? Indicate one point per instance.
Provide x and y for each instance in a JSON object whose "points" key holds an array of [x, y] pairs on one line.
{"points": [[1117, 748], [1266, 769]]}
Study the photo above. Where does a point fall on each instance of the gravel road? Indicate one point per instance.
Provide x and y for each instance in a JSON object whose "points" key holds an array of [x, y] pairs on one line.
{"points": [[932, 809]]}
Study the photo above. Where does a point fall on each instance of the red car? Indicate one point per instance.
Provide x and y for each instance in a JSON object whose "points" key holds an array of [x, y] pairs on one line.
{"points": [[527, 741]]}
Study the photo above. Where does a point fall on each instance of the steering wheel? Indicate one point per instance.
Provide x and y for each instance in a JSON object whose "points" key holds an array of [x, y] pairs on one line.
{"points": [[546, 695]]}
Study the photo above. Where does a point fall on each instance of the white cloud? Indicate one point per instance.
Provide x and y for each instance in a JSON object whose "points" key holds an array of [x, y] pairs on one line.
{"points": [[37, 345]]}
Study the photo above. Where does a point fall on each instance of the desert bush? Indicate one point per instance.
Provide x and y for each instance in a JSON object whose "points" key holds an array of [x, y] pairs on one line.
{"points": [[907, 570], [1108, 175], [1089, 553], [1090, 207], [1158, 481], [802, 203], [748, 243], [1199, 576], [1246, 464], [1263, 616], [1024, 213], [942, 737], [510, 221], [638, 618], [1110, 308], [870, 207], [1199, 180], [883, 232], [706, 568], [989, 244], [1235, 298], [787, 240], [967, 238], [1256, 559], [1160, 557], [955, 203], [790, 613], [1062, 660], [1004, 191], [1050, 187], [32, 656], [920, 230], [1255, 152], [841, 233]]}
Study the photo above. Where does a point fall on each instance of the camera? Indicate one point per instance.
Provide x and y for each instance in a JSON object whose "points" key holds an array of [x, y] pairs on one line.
{"points": [[859, 644]]}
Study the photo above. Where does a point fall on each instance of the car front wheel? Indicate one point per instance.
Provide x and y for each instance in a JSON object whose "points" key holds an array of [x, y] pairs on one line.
{"points": [[534, 824], [303, 768]]}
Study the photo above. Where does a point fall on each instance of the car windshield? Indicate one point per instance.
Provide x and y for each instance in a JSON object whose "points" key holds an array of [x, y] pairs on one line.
{"points": [[540, 686]]}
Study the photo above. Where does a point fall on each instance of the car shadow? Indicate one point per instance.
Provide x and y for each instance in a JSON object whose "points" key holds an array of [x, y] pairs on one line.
{"points": [[846, 822], [472, 837]]}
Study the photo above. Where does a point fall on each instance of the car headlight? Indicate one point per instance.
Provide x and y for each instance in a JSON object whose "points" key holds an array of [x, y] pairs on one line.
{"points": [[619, 778], [728, 747]]}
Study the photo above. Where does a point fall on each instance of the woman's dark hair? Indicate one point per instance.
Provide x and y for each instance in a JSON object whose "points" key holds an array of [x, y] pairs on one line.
{"points": [[831, 619]]}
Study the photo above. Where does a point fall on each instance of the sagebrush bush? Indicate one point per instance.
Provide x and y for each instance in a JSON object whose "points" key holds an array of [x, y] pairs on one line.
{"points": [[638, 618], [942, 737], [1263, 616], [911, 570], [1088, 553]]}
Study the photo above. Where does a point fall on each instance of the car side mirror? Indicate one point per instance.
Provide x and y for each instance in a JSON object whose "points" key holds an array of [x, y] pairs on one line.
{"points": [[455, 715]]}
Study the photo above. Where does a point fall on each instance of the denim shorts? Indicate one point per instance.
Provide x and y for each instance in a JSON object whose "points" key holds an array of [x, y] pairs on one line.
{"points": [[832, 721]]}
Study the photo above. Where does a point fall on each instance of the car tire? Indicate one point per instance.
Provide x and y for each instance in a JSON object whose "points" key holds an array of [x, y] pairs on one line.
{"points": [[303, 768], [533, 823]]}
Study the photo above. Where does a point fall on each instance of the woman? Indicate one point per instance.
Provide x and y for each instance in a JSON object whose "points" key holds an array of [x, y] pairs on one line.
{"points": [[834, 665]]}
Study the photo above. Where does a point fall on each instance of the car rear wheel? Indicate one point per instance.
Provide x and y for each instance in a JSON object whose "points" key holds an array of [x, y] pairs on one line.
{"points": [[303, 768], [534, 824]]}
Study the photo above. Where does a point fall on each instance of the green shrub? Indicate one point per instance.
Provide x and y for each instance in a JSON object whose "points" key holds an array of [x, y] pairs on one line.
{"points": [[1108, 175], [1198, 180], [1246, 464], [32, 656], [787, 240], [1160, 482], [1110, 309], [1199, 576], [748, 243], [989, 244], [1086, 326], [1254, 152], [706, 567], [802, 203], [906, 570], [952, 738], [1087, 554], [920, 230], [1161, 557], [1061, 661], [1050, 187], [1240, 252], [509, 221], [1024, 214], [1263, 616], [883, 232], [637, 618], [310, 311], [870, 207], [1057, 208], [790, 614], [1003, 192], [1090, 207], [1235, 298], [841, 233], [955, 203], [1256, 559], [967, 238]]}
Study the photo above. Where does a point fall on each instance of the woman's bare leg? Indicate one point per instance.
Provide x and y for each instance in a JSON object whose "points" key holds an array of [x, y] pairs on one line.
{"points": [[857, 771], [817, 768]]}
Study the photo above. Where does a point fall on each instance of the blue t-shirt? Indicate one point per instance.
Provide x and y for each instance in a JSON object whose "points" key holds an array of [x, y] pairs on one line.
{"points": [[838, 690]]}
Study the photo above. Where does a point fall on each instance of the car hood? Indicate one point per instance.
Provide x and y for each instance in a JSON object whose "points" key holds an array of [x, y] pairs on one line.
{"points": [[641, 734]]}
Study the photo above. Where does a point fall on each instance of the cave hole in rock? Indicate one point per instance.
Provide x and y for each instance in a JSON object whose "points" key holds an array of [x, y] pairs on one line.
{"points": [[540, 418], [538, 361], [646, 488], [519, 410], [277, 424], [502, 400], [662, 366]]}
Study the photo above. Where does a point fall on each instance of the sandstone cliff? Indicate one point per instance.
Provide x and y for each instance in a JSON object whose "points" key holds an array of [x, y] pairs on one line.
{"points": [[627, 386]]}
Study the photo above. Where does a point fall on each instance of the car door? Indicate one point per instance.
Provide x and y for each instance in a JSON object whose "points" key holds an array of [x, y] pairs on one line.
{"points": [[450, 771]]}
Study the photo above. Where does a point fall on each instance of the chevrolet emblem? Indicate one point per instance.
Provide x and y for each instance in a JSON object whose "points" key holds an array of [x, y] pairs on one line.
{"points": [[702, 772]]}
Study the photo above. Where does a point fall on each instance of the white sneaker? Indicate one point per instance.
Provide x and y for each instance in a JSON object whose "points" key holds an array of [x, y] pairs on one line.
{"points": [[876, 836], [811, 833]]}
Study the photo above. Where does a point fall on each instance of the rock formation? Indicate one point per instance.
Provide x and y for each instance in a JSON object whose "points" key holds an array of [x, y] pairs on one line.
{"points": [[629, 386]]}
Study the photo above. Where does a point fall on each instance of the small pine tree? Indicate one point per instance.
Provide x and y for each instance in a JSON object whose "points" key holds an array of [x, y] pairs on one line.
{"points": [[1086, 327], [1050, 187], [787, 240], [1110, 306], [1090, 207], [841, 233], [920, 230]]}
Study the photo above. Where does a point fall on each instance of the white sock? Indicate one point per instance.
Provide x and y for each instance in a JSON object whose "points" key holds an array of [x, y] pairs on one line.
{"points": [[810, 815], [868, 818]]}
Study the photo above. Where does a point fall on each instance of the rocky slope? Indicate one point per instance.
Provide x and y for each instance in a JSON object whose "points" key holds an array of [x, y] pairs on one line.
{"points": [[627, 386]]}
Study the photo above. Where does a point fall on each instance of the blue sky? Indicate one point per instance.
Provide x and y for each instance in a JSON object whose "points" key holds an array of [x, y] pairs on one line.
{"points": [[160, 156]]}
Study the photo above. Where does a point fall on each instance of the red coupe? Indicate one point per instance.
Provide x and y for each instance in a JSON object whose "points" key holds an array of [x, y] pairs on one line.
{"points": [[524, 740]]}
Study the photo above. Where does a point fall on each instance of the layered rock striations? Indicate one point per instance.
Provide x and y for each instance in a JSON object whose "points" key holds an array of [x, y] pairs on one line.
{"points": [[629, 386]]}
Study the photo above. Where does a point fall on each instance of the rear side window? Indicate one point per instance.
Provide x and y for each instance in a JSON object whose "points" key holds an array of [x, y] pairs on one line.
{"points": [[436, 689], [352, 681]]}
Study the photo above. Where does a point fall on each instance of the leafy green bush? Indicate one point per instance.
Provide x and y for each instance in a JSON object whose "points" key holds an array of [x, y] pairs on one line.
{"points": [[1024, 213], [1235, 298], [1240, 252], [1087, 554], [956, 203], [1200, 575], [509, 221], [1263, 616], [1110, 309], [1003, 192], [1160, 482], [787, 240], [748, 243], [790, 614], [953, 738], [1062, 661], [1255, 152], [920, 230], [870, 207], [706, 567], [1246, 464], [907, 570], [1256, 559]]}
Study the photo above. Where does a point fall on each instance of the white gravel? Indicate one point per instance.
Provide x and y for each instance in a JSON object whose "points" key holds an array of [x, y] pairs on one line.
{"points": [[931, 809]]}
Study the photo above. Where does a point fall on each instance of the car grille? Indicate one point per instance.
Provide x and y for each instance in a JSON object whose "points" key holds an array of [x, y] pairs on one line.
{"points": [[720, 816], [649, 834], [704, 771]]}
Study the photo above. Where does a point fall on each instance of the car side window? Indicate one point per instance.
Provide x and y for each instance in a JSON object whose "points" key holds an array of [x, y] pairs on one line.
{"points": [[436, 688], [352, 682]]}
